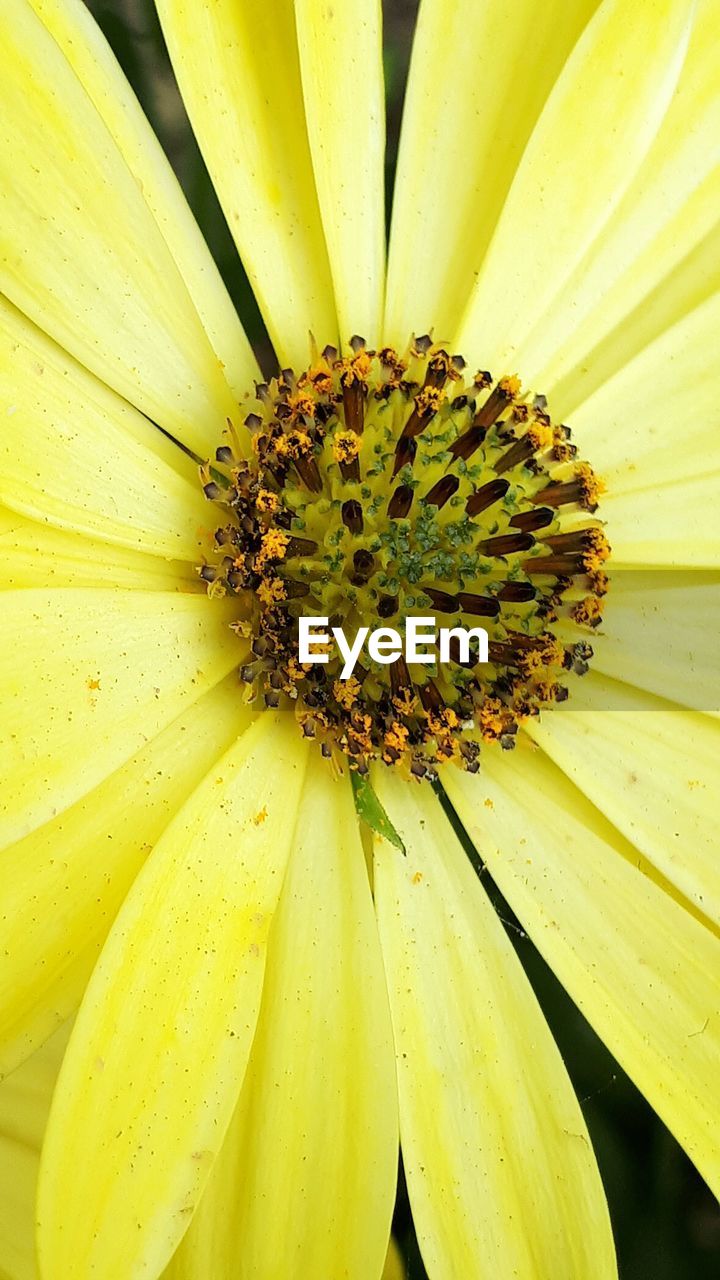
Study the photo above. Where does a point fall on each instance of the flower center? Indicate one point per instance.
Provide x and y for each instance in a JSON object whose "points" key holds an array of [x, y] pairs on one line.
{"points": [[377, 487]]}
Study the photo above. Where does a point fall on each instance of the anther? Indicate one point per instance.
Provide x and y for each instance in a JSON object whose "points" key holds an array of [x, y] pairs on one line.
{"points": [[387, 606], [486, 496], [442, 491], [531, 521], [442, 600], [560, 566], [352, 516], [500, 397], [400, 502], [519, 452], [480, 606], [517, 592], [466, 444], [363, 564], [405, 451], [506, 545]]}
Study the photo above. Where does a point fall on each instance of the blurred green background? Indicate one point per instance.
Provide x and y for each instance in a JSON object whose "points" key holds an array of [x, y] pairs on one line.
{"points": [[667, 1225]]}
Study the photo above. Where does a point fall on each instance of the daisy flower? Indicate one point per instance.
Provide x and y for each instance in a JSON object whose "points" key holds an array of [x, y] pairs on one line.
{"points": [[250, 876]]}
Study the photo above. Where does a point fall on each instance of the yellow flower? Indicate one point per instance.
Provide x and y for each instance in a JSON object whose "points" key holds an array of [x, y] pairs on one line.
{"points": [[276, 976]]}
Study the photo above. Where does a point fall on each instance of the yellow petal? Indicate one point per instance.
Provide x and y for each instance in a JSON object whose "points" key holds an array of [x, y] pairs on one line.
{"points": [[158, 1052], [24, 1105], [18, 1181], [74, 454], [645, 973], [653, 769], [340, 49], [668, 210], [25, 1095], [394, 1268], [500, 1170], [36, 555], [88, 677], [62, 886], [86, 49], [659, 633], [237, 65], [479, 76], [81, 252], [658, 420], [673, 525], [314, 1139], [592, 136], [686, 286]]}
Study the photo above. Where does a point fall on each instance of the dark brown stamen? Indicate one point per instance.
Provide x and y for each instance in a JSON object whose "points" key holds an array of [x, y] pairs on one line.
{"points": [[485, 496], [531, 521], [563, 492], [352, 515], [466, 444], [481, 606], [498, 400], [517, 592], [562, 566], [400, 502], [307, 469], [507, 544], [405, 451], [295, 590], [387, 606], [399, 676], [353, 394], [519, 452], [350, 471], [430, 696], [442, 600], [576, 540], [442, 491], [300, 547], [363, 564]]}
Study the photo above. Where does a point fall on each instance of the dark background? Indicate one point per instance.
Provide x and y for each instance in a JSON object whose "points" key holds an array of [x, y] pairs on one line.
{"points": [[667, 1225]]}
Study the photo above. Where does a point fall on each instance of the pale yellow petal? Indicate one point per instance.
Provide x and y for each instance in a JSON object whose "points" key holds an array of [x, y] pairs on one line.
{"points": [[36, 555], [74, 454], [668, 526], [340, 49], [668, 210], [479, 76], [654, 770], [686, 287], [658, 420], [93, 62], [80, 250], [313, 1144], [592, 136], [18, 1185], [394, 1267], [159, 1049], [18, 1182], [62, 886], [89, 676], [659, 633], [25, 1095], [237, 65], [24, 1105], [642, 969], [501, 1174]]}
